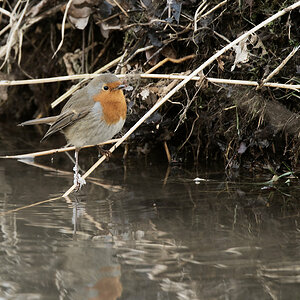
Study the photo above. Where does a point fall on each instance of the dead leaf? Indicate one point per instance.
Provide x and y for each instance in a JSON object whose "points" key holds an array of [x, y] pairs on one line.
{"points": [[258, 44], [241, 53], [79, 13]]}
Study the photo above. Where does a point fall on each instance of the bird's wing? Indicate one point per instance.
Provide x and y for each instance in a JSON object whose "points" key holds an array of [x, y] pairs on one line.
{"points": [[67, 118], [81, 99], [78, 106]]}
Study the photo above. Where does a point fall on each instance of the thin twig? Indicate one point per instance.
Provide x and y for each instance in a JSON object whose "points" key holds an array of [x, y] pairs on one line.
{"points": [[173, 60], [5, 12], [102, 51], [276, 70], [196, 29], [222, 37], [63, 27], [108, 18], [189, 135], [8, 26], [167, 152], [214, 8], [52, 151], [126, 27], [121, 8], [138, 51], [120, 63], [186, 108], [46, 80], [197, 13], [144, 75]]}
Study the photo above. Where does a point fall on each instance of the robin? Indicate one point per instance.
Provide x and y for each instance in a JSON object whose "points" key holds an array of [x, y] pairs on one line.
{"points": [[93, 115]]}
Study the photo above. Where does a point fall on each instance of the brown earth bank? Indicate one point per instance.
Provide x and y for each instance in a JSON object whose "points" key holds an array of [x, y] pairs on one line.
{"points": [[245, 127]]}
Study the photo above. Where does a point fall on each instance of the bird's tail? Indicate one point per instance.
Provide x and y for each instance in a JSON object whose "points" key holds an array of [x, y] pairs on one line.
{"points": [[47, 120]]}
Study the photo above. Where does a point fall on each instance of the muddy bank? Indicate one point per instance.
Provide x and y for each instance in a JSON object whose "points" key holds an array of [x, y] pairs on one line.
{"points": [[243, 126]]}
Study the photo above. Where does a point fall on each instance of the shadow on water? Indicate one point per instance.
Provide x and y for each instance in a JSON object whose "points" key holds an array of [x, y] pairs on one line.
{"points": [[139, 230]]}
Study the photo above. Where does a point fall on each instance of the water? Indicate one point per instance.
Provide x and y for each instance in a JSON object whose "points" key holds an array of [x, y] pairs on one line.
{"points": [[141, 230]]}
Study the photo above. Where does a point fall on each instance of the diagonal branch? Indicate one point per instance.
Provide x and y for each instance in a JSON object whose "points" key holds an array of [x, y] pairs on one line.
{"points": [[181, 84], [283, 63]]}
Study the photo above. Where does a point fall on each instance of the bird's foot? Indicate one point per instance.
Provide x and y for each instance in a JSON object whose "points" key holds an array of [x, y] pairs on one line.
{"points": [[78, 180], [104, 152]]}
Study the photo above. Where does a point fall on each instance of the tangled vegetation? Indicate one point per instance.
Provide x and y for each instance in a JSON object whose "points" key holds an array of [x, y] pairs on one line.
{"points": [[217, 117]]}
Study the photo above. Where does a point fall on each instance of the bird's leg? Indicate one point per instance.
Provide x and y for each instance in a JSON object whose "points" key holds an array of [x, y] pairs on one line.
{"points": [[76, 173], [78, 180], [104, 152]]}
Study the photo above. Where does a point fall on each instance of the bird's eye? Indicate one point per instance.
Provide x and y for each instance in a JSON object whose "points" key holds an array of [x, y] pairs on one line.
{"points": [[105, 88]]}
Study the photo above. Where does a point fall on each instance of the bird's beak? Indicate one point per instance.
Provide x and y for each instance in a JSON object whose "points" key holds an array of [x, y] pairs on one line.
{"points": [[120, 87]]}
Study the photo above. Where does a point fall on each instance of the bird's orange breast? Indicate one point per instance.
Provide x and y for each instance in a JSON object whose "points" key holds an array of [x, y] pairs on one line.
{"points": [[113, 103]]}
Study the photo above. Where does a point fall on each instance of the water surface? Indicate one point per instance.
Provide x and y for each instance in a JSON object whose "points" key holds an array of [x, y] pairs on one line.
{"points": [[142, 230]]}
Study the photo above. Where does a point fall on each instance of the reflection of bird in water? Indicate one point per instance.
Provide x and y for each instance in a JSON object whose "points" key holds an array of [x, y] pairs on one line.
{"points": [[89, 272], [110, 286], [93, 115]]}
